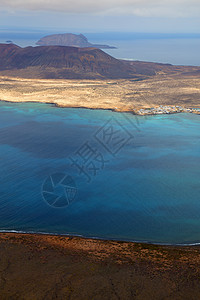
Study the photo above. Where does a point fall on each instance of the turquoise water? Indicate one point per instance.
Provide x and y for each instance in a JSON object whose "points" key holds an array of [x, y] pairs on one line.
{"points": [[147, 189]]}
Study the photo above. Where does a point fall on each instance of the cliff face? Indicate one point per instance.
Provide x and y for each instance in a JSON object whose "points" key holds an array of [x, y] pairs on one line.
{"points": [[68, 39]]}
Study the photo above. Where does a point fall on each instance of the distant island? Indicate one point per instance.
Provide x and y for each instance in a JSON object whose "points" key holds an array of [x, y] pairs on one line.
{"points": [[90, 78], [69, 39]]}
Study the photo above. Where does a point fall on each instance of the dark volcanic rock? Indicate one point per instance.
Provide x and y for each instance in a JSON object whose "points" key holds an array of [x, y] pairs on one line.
{"points": [[69, 39], [63, 62], [77, 63]]}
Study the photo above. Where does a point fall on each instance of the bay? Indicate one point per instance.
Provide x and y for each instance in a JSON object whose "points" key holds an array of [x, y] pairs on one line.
{"points": [[146, 189]]}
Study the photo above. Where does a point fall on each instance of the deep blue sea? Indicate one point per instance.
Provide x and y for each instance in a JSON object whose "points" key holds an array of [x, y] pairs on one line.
{"points": [[99, 174]]}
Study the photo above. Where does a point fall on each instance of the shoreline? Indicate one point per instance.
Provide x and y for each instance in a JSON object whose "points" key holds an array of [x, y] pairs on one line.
{"points": [[152, 96], [68, 235], [135, 113], [101, 249]]}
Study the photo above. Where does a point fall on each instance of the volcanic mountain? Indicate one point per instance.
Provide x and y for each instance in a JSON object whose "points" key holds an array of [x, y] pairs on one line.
{"points": [[75, 63], [61, 62]]}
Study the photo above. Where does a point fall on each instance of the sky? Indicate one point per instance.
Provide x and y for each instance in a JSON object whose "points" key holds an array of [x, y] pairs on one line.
{"points": [[163, 16]]}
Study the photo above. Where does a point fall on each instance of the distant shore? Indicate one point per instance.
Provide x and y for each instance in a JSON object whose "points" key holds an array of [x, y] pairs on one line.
{"points": [[142, 112], [40, 266]]}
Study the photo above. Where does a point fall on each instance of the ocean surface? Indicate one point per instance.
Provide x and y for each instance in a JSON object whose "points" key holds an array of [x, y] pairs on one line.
{"points": [[99, 174], [178, 49]]}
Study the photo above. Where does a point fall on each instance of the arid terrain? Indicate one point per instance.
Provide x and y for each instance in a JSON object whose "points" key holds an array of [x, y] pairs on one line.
{"points": [[58, 267], [90, 78], [118, 95]]}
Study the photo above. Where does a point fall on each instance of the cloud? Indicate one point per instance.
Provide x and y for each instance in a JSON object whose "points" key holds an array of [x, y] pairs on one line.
{"points": [[159, 8]]}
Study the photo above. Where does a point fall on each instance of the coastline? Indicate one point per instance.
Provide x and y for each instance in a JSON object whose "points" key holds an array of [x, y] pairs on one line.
{"points": [[93, 244], [96, 238], [152, 96], [148, 112]]}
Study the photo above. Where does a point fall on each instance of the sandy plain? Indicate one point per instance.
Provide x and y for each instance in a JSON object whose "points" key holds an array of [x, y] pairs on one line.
{"points": [[118, 95]]}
